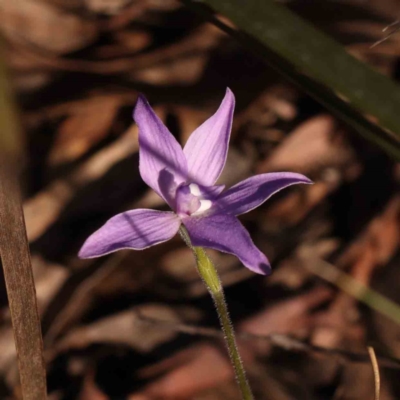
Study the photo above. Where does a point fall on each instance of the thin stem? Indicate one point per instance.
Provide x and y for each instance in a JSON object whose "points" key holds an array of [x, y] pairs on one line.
{"points": [[375, 368], [14, 253], [210, 277]]}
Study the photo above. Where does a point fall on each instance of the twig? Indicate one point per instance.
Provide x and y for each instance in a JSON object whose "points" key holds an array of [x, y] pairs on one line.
{"points": [[15, 257], [395, 24], [285, 342], [375, 368]]}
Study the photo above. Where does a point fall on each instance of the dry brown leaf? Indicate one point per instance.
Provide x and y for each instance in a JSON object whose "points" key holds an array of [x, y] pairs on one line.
{"points": [[82, 298], [179, 264], [339, 326], [293, 208], [105, 6], [127, 328], [45, 26], [181, 71], [134, 40], [44, 208], [207, 367], [90, 391], [49, 278], [79, 106], [312, 145], [376, 245], [203, 40], [357, 382], [127, 43], [276, 102], [292, 316], [80, 131]]}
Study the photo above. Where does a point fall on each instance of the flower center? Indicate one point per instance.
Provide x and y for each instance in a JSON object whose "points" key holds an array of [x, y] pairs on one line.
{"points": [[190, 200]]}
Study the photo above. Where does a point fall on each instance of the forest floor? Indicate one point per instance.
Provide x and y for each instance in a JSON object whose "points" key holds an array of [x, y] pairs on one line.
{"points": [[140, 325]]}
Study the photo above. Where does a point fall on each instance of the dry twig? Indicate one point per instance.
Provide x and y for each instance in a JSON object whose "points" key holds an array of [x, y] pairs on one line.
{"points": [[375, 368], [285, 342], [16, 261]]}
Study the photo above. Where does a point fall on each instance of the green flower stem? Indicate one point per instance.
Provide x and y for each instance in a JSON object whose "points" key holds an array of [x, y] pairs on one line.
{"points": [[210, 277]]}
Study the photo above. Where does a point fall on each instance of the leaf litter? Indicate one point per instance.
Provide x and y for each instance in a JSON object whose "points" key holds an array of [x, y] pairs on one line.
{"points": [[77, 69]]}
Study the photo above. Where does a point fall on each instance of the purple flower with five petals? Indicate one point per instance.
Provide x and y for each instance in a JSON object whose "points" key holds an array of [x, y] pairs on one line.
{"points": [[185, 179]]}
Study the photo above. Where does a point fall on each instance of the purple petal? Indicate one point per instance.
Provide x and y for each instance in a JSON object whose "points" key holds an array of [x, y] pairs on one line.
{"points": [[167, 185], [250, 193], [211, 192], [135, 229], [207, 147], [158, 149], [225, 233]]}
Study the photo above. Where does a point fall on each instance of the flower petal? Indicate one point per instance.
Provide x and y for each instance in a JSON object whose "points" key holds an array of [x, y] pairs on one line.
{"points": [[211, 192], [225, 233], [135, 229], [207, 147], [252, 192], [158, 149]]}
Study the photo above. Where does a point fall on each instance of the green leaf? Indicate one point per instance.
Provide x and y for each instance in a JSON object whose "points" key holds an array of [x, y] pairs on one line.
{"points": [[316, 63]]}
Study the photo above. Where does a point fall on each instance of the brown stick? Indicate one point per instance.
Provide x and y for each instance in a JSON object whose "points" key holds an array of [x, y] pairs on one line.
{"points": [[15, 256]]}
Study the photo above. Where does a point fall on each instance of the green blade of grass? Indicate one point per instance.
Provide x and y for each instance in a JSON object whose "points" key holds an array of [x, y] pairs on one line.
{"points": [[352, 287], [316, 63]]}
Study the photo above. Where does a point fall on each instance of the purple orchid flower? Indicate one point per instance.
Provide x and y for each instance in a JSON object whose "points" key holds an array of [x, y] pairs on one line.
{"points": [[185, 179]]}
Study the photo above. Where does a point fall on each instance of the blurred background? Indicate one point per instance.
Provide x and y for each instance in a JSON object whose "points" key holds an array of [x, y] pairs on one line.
{"points": [[140, 325]]}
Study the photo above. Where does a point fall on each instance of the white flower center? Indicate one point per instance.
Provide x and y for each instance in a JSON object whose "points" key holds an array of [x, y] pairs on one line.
{"points": [[195, 190], [190, 200], [204, 206]]}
